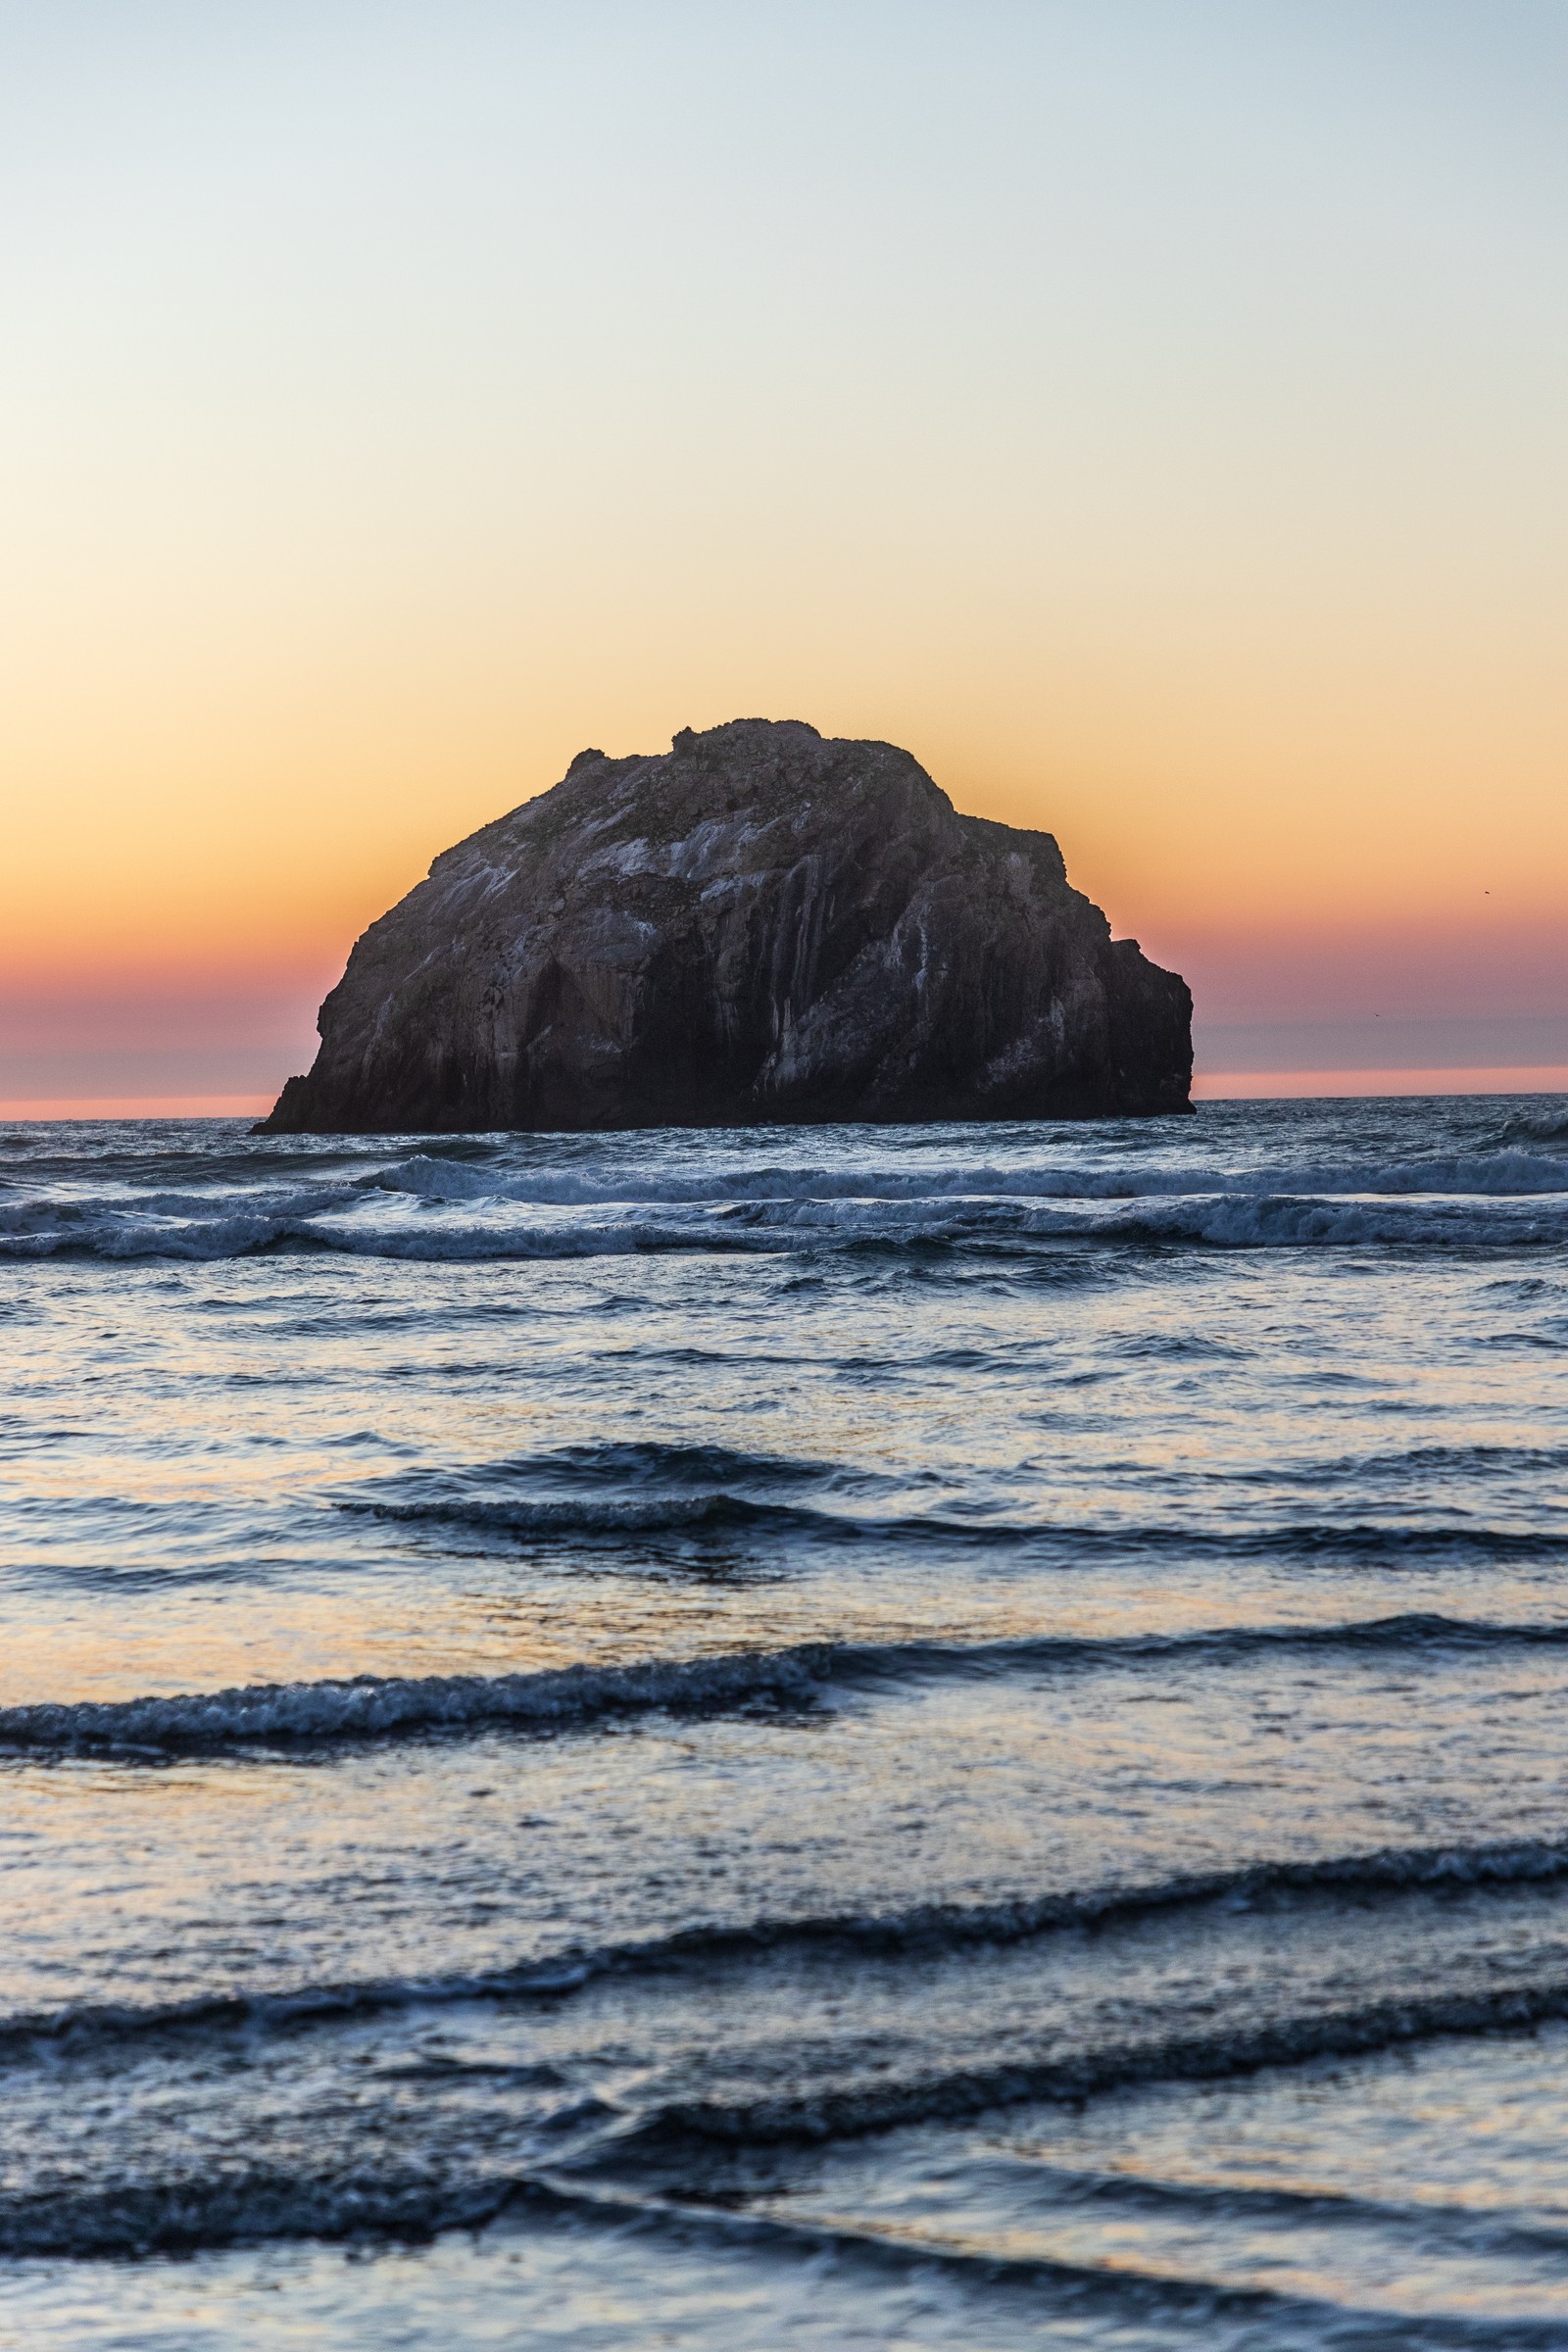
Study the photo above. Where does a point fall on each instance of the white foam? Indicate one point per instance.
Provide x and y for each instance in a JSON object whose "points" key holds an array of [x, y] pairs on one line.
{"points": [[425, 1207], [1506, 1173]]}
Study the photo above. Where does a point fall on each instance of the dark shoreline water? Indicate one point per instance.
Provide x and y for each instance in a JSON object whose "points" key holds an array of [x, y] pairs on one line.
{"points": [[941, 1737]]}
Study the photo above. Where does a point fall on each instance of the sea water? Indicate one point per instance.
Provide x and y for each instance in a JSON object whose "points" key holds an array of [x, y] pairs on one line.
{"points": [[935, 1737]]}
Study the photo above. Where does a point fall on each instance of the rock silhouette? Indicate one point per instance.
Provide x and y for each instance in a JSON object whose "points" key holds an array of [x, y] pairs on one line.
{"points": [[761, 926]]}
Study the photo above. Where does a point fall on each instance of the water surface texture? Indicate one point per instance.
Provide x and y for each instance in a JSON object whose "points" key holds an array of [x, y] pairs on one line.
{"points": [[941, 1737]]}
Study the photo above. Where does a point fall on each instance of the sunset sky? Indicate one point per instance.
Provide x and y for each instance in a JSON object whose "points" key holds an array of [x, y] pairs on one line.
{"points": [[1150, 412]]}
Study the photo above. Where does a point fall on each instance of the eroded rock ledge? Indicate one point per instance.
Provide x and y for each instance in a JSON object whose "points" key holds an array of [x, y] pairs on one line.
{"points": [[759, 927]]}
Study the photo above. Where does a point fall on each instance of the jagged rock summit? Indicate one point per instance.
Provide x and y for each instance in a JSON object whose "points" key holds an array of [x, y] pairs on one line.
{"points": [[760, 926]]}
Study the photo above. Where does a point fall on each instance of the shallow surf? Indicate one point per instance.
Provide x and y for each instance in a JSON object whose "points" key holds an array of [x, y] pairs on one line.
{"points": [[932, 1737]]}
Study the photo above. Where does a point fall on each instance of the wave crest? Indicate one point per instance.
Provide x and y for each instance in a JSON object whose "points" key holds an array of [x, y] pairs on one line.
{"points": [[482, 1204], [374, 1707], [921, 1932]]}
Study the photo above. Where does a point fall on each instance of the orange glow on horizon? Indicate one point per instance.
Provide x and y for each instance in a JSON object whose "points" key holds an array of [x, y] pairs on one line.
{"points": [[283, 869]]}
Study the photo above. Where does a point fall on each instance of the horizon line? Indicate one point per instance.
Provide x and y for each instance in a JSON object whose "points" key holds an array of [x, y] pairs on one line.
{"points": [[1220, 1085]]}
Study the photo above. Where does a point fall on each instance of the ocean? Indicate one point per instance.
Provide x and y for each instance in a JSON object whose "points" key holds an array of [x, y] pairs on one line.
{"points": [[948, 1736]]}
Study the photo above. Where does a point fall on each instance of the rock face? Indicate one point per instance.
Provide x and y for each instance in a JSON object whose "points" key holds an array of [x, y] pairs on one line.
{"points": [[759, 927]]}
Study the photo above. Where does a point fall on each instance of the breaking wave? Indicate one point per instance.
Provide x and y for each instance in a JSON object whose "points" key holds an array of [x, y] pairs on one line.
{"points": [[480, 1204], [371, 1708], [926, 1932], [611, 1520], [1501, 1172], [391, 2205], [248, 2206], [880, 2105]]}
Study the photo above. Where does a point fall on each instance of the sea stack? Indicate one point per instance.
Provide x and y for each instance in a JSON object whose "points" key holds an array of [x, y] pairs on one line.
{"points": [[759, 927]]}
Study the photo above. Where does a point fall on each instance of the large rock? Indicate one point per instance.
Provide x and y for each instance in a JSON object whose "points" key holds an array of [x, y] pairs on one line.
{"points": [[760, 926]]}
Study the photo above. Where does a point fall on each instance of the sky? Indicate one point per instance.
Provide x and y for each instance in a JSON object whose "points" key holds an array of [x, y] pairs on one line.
{"points": [[1150, 412]]}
